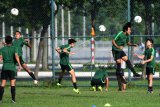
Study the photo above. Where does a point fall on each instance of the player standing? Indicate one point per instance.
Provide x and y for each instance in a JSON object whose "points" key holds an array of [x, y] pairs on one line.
{"points": [[64, 52], [149, 59], [9, 54], [19, 42]]}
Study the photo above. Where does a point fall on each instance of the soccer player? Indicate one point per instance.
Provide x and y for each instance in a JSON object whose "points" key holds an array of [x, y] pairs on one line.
{"points": [[100, 79], [149, 59], [64, 52], [19, 42], [9, 54], [117, 49]]}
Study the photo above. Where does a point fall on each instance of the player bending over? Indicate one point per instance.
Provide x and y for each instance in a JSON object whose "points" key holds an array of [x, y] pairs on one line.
{"points": [[9, 54], [64, 52], [149, 59], [100, 79]]}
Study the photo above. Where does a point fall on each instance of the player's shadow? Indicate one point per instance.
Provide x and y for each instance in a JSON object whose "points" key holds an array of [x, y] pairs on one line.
{"points": [[80, 95]]}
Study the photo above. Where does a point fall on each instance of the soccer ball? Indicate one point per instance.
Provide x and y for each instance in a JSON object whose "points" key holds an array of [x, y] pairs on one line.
{"points": [[102, 28], [138, 19], [14, 11]]}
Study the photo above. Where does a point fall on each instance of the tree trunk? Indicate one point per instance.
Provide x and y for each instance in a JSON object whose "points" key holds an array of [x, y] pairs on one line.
{"points": [[40, 50], [45, 53], [32, 54]]}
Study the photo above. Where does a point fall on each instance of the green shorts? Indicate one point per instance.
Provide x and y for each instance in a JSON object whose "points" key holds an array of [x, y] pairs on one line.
{"points": [[67, 67], [97, 82], [118, 54], [150, 70], [8, 74]]}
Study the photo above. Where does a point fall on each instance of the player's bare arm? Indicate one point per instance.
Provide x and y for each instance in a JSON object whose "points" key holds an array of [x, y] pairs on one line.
{"points": [[65, 50], [1, 58], [17, 59], [148, 60], [28, 43], [114, 43], [58, 50], [130, 44], [139, 56]]}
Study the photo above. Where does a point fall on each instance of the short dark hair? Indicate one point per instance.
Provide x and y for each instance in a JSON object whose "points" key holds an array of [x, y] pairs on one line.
{"points": [[71, 41], [149, 39], [8, 39], [126, 26], [18, 32]]}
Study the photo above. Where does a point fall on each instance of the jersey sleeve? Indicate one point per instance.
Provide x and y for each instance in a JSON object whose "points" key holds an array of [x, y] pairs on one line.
{"points": [[61, 47], [25, 42], [16, 50], [153, 52], [117, 36]]}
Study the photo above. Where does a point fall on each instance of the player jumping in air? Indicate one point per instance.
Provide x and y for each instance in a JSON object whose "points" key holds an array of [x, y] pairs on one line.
{"points": [[117, 49], [149, 59], [64, 52], [19, 42], [9, 54]]}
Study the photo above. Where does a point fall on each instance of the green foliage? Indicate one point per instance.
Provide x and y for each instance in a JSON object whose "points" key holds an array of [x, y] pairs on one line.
{"points": [[157, 67]]}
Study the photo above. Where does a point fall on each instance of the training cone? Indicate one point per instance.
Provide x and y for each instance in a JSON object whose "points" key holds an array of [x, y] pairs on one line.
{"points": [[107, 105], [93, 32]]}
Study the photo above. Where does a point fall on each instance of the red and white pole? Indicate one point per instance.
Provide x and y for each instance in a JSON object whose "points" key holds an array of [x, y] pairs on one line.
{"points": [[92, 50]]}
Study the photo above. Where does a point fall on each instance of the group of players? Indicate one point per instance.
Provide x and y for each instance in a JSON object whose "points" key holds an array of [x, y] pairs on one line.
{"points": [[101, 77], [11, 54]]}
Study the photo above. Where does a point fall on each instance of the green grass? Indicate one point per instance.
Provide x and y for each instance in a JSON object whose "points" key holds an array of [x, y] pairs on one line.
{"points": [[65, 97]]}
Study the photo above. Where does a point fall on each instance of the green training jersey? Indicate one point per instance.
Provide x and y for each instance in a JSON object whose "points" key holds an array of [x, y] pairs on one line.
{"points": [[120, 39], [64, 57], [8, 54], [101, 74], [148, 53], [19, 43]]}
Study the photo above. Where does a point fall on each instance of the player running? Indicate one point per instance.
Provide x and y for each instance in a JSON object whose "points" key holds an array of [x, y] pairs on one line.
{"points": [[64, 52], [19, 42], [9, 54], [149, 59]]}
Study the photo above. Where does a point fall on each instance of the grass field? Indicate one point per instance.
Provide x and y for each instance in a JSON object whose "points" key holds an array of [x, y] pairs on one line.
{"points": [[29, 96]]}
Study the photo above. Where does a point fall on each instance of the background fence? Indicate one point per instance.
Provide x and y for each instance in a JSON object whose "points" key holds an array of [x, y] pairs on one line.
{"points": [[74, 19]]}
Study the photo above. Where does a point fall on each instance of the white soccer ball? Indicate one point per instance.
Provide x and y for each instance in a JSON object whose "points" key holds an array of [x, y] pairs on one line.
{"points": [[138, 19], [102, 28], [14, 11]]}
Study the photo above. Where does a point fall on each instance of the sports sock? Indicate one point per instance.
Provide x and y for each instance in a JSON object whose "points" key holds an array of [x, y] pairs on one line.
{"points": [[1, 92], [13, 92], [130, 66], [75, 85], [59, 79], [32, 75], [118, 67]]}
